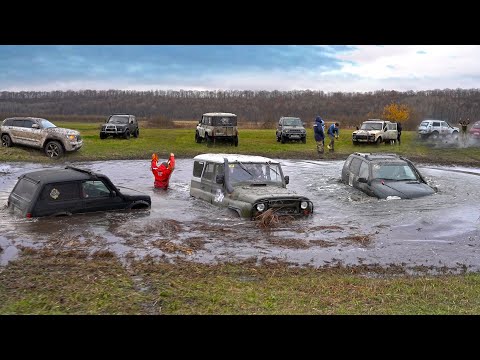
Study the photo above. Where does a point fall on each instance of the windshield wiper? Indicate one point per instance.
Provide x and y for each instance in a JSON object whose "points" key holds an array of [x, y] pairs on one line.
{"points": [[244, 168]]}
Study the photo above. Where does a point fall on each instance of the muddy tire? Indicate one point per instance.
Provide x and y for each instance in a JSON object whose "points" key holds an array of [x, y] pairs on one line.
{"points": [[103, 136], [198, 139], [235, 141], [53, 149], [434, 135], [6, 141], [304, 140], [136, 133], [455, 135], [208, 140], [126, 135], [283, 140], [379, 140]]}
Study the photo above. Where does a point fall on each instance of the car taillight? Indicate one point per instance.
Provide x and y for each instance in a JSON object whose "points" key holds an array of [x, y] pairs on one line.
{"points": [[29, 215]]}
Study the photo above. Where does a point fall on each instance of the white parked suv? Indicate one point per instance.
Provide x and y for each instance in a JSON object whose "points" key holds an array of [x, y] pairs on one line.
{"points": [[436, 128], [375, 131]]}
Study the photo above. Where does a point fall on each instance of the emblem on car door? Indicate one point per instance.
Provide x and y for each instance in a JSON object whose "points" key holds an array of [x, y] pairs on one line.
{"points": [[54, 194]]}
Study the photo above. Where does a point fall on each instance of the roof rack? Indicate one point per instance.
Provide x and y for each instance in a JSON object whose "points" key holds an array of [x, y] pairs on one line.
{"points": [[81, 170], [380, 154]]}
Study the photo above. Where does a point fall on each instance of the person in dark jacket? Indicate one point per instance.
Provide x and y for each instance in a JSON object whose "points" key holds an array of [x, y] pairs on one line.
{"points": [[319, 133], [399, 131], [333, 133]]}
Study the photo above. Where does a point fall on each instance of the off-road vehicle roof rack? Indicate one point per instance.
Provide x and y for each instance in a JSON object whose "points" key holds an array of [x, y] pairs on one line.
{"points": [[81, 170]]}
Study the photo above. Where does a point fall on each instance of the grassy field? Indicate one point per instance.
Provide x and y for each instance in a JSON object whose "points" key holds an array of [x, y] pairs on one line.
{"points": [[73, 282], [47, 282], [251, 141]]}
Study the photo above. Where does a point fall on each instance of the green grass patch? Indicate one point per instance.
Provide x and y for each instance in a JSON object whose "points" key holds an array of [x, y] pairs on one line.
{"points": [[251, 141]]}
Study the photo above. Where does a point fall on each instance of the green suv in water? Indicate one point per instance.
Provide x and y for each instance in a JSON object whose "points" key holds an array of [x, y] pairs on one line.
{"points": [[248, 185]]}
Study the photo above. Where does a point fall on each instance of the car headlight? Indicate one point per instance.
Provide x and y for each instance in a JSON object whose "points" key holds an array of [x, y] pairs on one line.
{"points": [[303, 205], [260, 207], [72, 137]]}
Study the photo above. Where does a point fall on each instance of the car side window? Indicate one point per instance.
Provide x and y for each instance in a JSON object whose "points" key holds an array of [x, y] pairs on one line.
{"points": [[18, 123], [60, 192], [198, 168], [436, 123], [363, 172], [208, 173], [355, 165], [94, 189], [27, 124], [219, 169]]}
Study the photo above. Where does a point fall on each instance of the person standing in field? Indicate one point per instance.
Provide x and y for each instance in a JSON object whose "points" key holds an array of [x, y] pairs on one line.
{"points": [[333, 132], [319, 134]]}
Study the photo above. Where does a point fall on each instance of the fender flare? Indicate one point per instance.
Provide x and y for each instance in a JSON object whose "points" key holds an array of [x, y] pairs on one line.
{"points": [[138, 202]]}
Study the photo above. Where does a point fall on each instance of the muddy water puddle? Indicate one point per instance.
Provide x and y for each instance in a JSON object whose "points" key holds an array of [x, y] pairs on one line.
{"points": [[347, 226]]}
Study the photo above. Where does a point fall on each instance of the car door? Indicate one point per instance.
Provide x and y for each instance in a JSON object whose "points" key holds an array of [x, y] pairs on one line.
{"points": [[444, 128], [98, 196], [392, 131], [201, 128], [364, 172], [17, 131], [354, 170], [32, 133], [205, 192], [279, 128], [60, 198], [436, 127], [219, 196]]}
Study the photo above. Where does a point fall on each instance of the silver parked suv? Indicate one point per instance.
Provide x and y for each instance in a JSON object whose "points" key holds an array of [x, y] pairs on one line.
{"points": [[39, 133]]}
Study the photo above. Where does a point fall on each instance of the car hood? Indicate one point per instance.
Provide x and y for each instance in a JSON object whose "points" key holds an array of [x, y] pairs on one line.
{"points": [[402, 189], [293, 127], [366, 132], [255, 193], [62, 131], [131, 194], [117, 125]]}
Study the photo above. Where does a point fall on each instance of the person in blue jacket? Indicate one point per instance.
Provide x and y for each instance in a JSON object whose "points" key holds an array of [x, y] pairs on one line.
{"points": [[332, 133], [319, 133]]}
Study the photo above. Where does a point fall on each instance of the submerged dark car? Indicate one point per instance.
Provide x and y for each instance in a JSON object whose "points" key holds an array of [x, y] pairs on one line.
{"points": [[57, 192], [385, 176]]}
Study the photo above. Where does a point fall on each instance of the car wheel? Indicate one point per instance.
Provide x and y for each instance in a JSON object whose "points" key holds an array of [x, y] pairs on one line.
{"points": [[198, 139], [6, 141], [235, 141], [379, 140], [304, 140], [283, 140], [136, 133], [208, 140], [103, 136], [354, 142], [53, 149], [127, 134], [455, 135]]}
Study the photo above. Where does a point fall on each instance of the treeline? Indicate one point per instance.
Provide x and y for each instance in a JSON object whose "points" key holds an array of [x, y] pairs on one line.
{"points": [[261, 108]]}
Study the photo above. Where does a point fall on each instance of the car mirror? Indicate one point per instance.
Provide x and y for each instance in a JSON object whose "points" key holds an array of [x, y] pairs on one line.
{"points": [[287, 179], [362, 180], [35, 126], [220, 179]]}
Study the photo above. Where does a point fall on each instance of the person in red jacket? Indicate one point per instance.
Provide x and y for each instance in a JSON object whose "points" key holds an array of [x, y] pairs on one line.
{"points": [[163, 172]]}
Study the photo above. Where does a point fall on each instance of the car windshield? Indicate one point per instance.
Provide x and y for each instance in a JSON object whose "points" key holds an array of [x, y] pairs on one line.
{"points": [[118, 120], [254, 173], [293, 122], [424, 124], [476, 125], [398, 172], [371, 126], [47, 124]]}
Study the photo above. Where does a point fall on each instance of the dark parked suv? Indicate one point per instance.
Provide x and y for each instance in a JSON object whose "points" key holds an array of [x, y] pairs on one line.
{"points": [[56, 192], [120, 125], [290, 128], [384, 176]]}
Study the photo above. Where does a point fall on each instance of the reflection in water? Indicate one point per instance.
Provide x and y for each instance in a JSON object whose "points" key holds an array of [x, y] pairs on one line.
{"points": [[437, 230]]}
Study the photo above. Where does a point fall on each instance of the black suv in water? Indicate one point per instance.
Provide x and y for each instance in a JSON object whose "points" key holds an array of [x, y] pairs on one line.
{"points": [[120, 125], [56, 192], [384, 176]]}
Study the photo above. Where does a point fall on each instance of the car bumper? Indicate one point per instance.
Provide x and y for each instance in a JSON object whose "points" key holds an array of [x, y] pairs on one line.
{"points": [[73, 145]]}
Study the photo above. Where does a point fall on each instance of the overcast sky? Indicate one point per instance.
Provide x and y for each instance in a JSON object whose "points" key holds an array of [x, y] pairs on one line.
{"points": [[355, 68]]}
